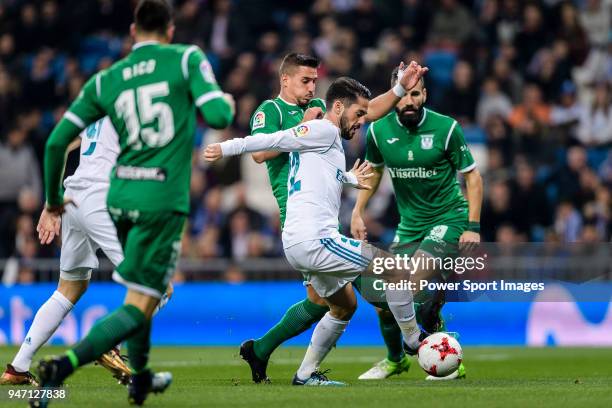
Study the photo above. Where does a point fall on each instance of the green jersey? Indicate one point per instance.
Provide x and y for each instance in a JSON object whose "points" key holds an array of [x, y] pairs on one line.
{"points": [[271, 116], [151, 98], [423, 164]]}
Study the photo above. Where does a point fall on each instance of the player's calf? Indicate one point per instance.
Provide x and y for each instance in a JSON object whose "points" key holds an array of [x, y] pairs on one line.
{"points": [[342, 305]]}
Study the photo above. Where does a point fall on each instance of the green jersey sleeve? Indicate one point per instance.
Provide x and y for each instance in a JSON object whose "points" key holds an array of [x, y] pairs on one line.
{"points": [[205, 91], [84, 110], [199, 73], [55, 159], [373, 154], [457, 150], [86, 107], [266, 119]]}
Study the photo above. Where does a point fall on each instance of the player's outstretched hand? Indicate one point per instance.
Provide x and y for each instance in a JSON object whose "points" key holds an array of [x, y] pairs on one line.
{"points": [[409, 76], [363, 172], [468, 241], [213, 152], [48, 226], [312, 114]]}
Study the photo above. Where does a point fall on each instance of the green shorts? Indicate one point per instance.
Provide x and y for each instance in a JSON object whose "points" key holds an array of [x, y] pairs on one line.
{"points": [[439, 240], [151, 242]]}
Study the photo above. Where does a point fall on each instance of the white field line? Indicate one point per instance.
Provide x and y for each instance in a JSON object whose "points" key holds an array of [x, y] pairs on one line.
{"points": [[297, 360]]}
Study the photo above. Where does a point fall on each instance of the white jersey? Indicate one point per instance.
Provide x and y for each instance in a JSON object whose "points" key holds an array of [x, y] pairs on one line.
{"points": [[316, 176], [88, 226], [99, 151]]}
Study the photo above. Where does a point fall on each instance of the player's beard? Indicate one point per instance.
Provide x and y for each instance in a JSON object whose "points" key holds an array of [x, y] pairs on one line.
{"points": [[345, 129], [410, 120]]}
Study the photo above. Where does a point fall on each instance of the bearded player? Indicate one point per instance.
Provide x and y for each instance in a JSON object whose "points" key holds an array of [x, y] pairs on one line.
{"points": [[423, 151], [296, 103], [151, 97]]}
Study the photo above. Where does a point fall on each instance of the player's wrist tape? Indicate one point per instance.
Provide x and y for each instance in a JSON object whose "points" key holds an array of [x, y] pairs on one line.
{"points": [[398, 90], [474, 226], [350, 178]]}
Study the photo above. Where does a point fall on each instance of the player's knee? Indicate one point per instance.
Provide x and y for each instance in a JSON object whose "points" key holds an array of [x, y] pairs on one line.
{"points": [[344, 312], [313, 297], [72, 289], [144, 302]]}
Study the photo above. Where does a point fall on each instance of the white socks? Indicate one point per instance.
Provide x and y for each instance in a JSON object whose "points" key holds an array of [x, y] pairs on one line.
{"points": [[402, 306], [46, 321], [324, 337]]}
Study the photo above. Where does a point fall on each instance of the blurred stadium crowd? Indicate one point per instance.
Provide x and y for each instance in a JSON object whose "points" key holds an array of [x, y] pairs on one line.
{"points": [[529, 81]]}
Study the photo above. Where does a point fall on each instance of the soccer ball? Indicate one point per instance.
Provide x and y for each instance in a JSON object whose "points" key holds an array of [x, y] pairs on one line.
{"points": [[440, 354]]}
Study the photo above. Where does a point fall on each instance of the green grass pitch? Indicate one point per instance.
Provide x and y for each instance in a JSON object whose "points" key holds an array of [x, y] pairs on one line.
{"points": [[497, 377]]}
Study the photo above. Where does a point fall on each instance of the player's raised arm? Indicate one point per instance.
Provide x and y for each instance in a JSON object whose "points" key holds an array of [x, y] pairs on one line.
{"points": [[408, 77], [218, 108], [83, 111], [310, 136]]}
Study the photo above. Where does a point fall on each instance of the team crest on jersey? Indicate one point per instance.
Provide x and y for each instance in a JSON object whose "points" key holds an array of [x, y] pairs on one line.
{"points": [[426, 142], [207, 71], [259, 120], [301, 130]]}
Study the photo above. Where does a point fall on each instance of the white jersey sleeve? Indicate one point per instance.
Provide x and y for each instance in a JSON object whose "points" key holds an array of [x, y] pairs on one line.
{"points": [[311, 136]]}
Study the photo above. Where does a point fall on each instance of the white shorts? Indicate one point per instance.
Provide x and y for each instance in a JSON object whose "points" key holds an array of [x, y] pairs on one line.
{"points": [[85, 228], [328, 264]]}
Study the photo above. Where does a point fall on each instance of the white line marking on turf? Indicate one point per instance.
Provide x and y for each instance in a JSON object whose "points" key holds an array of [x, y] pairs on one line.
{"points": [[276, 361], [490, 357], [298, 359]]}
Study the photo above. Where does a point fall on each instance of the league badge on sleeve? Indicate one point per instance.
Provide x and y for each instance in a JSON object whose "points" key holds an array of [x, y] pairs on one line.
{"points": [[301, 130], [259, 120], [426, 142], [207, 71]]}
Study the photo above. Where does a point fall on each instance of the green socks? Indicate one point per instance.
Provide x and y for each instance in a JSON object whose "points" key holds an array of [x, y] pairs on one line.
{"points": [[297, 319], [392, 335], [138, 348], [107, 333]]}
